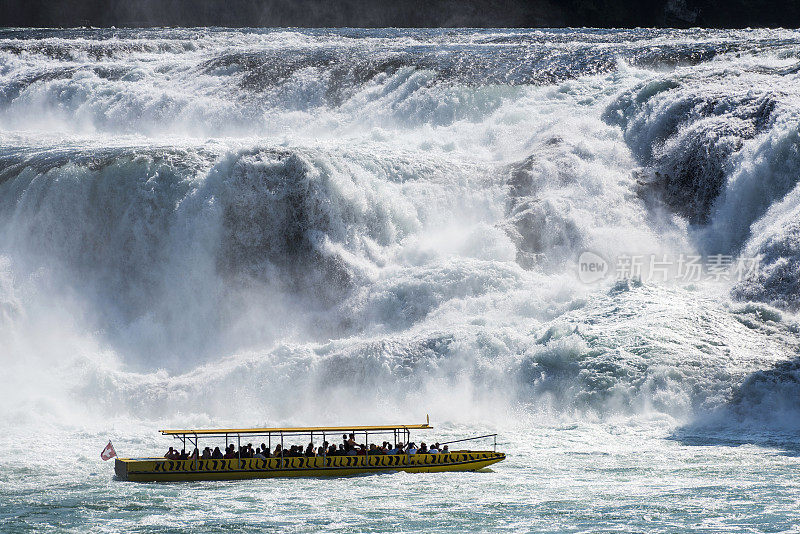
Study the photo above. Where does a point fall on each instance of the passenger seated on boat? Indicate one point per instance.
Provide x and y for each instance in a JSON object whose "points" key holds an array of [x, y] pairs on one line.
{"points": [[206, 454], [445, 450], [264, 451], [396, 449], [195, 454], [171, 454], [351, 443], [423, 449], [258, 454], [310, 451], [434, 449], [217, 454], [184, 455], [412, 448], [277, 453], [229, 452]]}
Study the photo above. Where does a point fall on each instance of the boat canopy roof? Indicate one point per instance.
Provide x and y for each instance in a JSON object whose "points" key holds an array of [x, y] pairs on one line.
{"points": [[293, 430]]}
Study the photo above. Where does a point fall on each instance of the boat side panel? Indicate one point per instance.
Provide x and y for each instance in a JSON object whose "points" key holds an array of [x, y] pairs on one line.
{"points": [[153, 469]]}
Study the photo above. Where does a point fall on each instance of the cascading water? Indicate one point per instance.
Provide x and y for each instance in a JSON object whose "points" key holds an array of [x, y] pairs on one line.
{"points": [[202, 227]]}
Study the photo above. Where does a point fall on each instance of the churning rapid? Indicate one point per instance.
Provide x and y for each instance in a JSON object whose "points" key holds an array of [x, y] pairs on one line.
{"points": [[319, 226]]}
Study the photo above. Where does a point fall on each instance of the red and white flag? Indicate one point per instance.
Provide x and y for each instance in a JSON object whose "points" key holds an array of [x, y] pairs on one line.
{"points": [[109, 452]]}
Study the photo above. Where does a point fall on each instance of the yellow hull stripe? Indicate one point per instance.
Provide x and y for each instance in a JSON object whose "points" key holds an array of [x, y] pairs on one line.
{"points": [[153, 469]]}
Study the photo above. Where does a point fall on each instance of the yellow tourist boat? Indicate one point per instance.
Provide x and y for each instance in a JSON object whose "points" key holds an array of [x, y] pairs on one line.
{"points": [[169, 470]]}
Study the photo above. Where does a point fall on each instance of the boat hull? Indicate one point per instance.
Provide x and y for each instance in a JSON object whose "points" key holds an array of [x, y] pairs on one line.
{"points": [[163, 470]]}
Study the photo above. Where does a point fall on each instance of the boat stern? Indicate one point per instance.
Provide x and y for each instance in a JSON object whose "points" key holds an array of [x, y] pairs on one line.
{"points": [[121, 469]]}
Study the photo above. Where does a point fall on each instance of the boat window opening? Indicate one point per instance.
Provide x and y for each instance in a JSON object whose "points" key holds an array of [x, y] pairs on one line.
{"points": [[400, 433]]}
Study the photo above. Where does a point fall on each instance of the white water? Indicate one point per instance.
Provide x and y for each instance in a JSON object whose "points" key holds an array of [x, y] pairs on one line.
{"points": [[203, 227]]}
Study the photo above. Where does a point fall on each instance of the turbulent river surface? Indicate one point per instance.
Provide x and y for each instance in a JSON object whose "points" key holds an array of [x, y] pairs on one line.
{"points": [[207, 227]]}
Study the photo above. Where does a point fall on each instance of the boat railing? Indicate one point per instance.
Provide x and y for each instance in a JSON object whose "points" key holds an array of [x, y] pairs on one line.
{"points": [[472, 439]]}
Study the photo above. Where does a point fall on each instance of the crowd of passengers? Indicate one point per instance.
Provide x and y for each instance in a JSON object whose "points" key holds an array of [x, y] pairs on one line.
{"points": [[348, 447]]}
